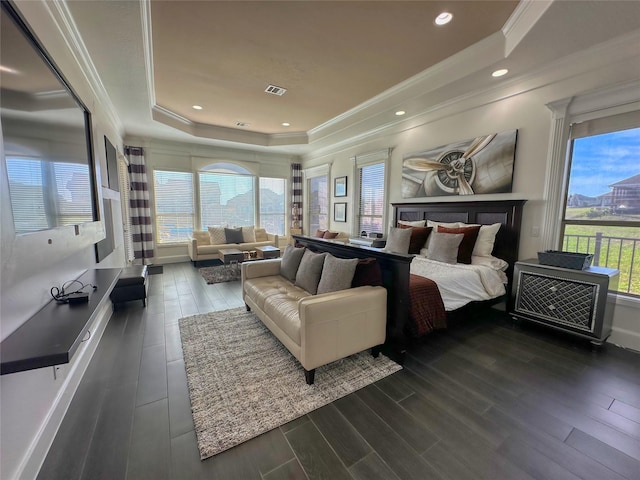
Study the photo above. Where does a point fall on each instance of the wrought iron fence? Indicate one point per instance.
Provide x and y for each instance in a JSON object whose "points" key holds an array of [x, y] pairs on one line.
{"points": [[620, 253]]}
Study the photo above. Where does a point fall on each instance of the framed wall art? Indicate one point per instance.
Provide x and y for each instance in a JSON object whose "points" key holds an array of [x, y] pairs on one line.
{"points": [[340, 187], [339, 212], [469, 167]]}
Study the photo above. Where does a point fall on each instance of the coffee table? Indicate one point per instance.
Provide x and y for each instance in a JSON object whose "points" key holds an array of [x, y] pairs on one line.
{"points": [[268, 251], [230, 255]]}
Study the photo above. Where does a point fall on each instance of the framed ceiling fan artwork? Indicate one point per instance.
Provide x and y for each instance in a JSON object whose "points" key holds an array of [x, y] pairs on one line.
{"points": [[476, 166]]}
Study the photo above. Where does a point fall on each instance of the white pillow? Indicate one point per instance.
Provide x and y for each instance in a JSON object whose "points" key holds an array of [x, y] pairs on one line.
{"points": [[490, 261], [486, 238], [217, 236], [248, 234], [417, 223]]}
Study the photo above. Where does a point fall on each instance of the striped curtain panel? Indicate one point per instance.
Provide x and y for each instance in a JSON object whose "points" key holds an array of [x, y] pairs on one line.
{"points": [[141, 227], [296, 195]]}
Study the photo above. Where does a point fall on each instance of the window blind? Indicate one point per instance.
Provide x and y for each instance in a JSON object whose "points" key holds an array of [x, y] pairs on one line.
{"points": [[272, 204], [372, 199], [226, 199], [173, 192], [318, 203]]}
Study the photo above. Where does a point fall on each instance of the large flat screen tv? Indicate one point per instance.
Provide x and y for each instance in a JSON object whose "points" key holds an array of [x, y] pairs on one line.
{"points": [[46, 132]]}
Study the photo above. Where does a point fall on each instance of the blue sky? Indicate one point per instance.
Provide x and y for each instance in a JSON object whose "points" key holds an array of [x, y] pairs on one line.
{"points": [[601, 160]]}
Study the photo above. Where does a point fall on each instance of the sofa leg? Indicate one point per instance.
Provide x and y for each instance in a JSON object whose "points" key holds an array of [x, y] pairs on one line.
{"points": [[375, 351], [247, 307], [309, 376]]}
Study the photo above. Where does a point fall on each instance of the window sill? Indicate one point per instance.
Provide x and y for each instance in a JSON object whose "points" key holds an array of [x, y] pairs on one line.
{"points": [[627, 301]]}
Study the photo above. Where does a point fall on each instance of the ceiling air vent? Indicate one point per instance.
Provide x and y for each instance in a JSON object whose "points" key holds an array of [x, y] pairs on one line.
{"points": [[274, 90]]}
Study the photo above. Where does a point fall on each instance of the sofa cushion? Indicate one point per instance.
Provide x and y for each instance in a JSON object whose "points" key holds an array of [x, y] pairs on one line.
{"points": [[217, 236], [283, 311], [261, 235], [337, 274], [233, 235], [290, 262], [320, 233], [330, 235], [309, 271], [201, 237], [367, 272], [259, 289], [248, 234]]}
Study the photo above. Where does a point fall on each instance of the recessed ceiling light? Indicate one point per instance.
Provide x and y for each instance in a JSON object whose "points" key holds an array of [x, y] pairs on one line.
{"points": [[286, 124], [8, 69], [443, 18], [197, 107], [400, 113], [499, 73]]}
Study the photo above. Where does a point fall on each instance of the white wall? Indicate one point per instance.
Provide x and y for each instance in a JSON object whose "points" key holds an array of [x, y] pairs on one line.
{"points": [[193, 157], [493, 111], [32, 403]]}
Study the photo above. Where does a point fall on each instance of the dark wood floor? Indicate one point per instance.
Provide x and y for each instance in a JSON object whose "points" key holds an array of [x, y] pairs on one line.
{"points": [[484, 399]]}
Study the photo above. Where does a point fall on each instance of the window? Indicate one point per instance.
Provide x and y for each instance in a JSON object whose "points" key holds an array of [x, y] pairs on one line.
{"points": [[371, 171], [173, 193], [272, 205], [226, 199], [318, 197], [602, 208]]}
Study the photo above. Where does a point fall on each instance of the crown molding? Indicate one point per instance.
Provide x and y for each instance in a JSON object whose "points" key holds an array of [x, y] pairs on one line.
{"points": [[147, 48], [63, 20], [521, 21]]}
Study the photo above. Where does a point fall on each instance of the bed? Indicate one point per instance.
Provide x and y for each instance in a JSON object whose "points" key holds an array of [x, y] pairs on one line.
{"points": [[486, 280]]}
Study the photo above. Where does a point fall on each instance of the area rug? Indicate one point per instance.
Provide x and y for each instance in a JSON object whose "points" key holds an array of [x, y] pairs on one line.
{"points": [[243, 382], [221, 273]]}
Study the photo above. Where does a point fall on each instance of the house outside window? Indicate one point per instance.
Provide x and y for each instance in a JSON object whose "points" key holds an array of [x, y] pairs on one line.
{"points": [[601, 213], [371, 205], [173, 202]]}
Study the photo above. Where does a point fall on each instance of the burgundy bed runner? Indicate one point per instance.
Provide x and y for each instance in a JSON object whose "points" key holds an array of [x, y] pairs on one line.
{"points": [[426, 309]]}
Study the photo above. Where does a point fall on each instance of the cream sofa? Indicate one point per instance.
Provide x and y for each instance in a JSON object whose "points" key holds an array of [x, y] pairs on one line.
{"points": [[201, 249], [316, 329]]}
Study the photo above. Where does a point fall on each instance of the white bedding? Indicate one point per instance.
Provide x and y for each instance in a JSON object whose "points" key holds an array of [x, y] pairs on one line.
{"points": [[460, 284]]}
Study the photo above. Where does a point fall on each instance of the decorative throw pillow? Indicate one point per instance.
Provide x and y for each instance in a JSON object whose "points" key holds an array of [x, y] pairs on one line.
{"points": [[419, 236], [486, 239], [435, 225], [444, 247], [398, 240], [290, 262], [309, 271], [417, 223], [367, 273], [330, 235], [337, 274], [319, 233], [261, 235], [468, 242], [249, 234], [233, 235], [217, 236]]}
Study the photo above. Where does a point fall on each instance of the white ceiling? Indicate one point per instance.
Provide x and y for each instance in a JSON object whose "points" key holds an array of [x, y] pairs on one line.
{"points": [[346, 64]]}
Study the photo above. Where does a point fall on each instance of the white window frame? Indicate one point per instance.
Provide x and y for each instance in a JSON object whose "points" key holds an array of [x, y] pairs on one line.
{"points": [[363, 160]]}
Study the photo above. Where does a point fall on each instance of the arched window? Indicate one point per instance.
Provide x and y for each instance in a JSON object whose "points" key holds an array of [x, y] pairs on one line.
{"points": [[227, 195]]}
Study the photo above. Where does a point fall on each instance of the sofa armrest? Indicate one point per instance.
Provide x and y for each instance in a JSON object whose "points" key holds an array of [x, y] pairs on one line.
{"points": [[192, 247], [262, 268], [273, 237], [337, 324]]}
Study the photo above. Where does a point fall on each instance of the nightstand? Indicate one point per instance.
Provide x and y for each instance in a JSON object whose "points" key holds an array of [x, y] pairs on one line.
{"points": [[580, 302]]}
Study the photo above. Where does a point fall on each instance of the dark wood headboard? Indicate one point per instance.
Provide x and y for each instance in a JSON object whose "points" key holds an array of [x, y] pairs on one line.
{"points": [[506, 212]]}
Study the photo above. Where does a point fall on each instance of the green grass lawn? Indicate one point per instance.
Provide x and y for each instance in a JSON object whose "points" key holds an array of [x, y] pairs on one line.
{"points": [[617, 246]]}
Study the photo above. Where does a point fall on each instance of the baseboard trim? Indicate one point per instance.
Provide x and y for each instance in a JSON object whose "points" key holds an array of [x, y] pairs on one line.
{"points": [[37, 452], [625, 338]]}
